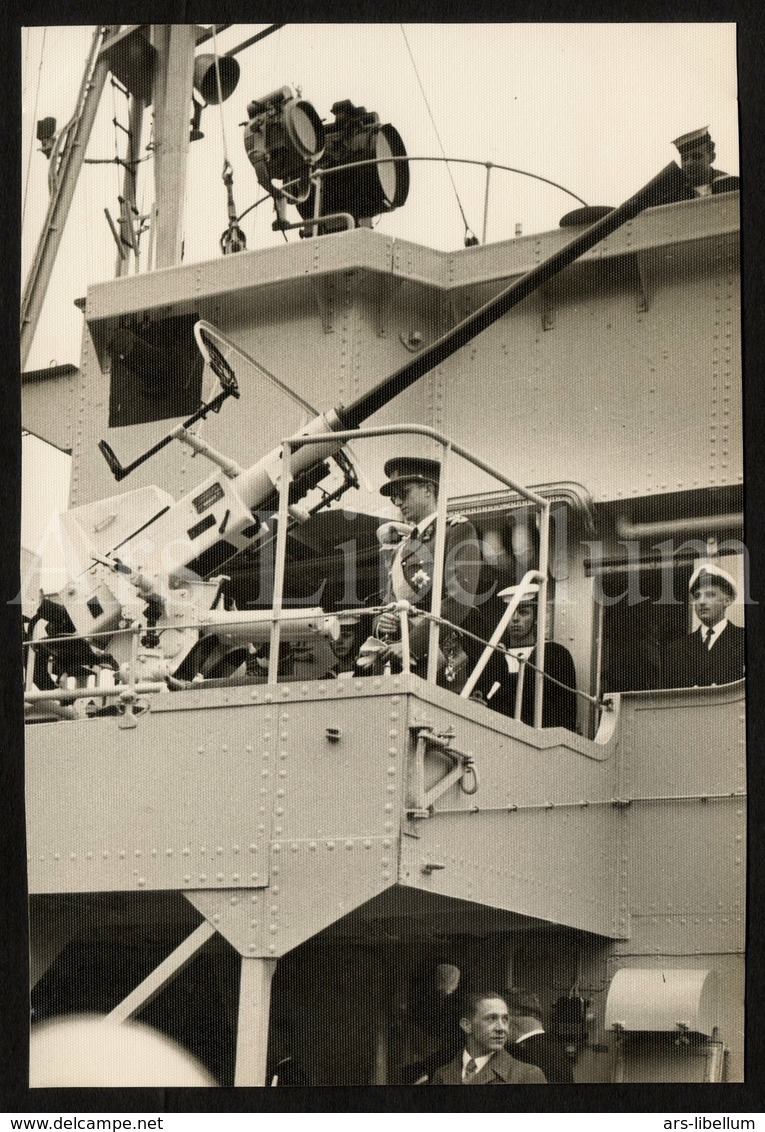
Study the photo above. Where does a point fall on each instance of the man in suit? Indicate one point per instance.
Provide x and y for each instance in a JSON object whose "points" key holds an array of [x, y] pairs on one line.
{"points": [[413, 486], [484, 1060], [697, 152], [498, 683], [713, 653], [530, 1043]]}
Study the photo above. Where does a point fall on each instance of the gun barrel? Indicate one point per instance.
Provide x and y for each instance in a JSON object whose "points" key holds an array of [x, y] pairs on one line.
{"points": [[662, 189], [216, 520]]}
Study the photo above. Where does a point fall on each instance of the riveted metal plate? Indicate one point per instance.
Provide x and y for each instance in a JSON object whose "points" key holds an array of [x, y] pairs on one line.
{"points": [[314, 883], [706, 725], [178, 802], [539, 837]]}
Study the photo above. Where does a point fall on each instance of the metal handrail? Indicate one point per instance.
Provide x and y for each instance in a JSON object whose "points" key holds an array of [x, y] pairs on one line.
{"points": [[277, 612], [448, 447], [318, 174]]}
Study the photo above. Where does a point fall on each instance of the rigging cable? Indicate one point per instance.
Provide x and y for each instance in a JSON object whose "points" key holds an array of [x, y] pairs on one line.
{"points": [[34, 120], [233, 239], [470, 237]]}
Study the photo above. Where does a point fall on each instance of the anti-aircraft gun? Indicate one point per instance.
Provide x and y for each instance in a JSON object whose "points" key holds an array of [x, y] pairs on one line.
{"points": [[151, 565]]}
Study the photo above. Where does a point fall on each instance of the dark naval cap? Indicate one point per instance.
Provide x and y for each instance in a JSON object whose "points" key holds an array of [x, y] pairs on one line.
{"points": [[410, 469], [692, 138]]}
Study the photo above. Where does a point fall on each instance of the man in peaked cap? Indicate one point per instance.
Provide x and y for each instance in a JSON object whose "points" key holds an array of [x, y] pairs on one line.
{"points": [[697, 152], [413, 485], [713, 653]]}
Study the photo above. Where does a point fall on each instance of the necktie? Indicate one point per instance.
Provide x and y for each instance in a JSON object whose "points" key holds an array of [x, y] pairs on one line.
{"points": [[470, 1070], [708, 638]]}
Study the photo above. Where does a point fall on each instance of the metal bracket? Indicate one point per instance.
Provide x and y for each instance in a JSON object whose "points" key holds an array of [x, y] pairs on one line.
{"points": [[547, 306], [383, 292], [642, 275], [421, 800], [131, 707], [323, 291]]}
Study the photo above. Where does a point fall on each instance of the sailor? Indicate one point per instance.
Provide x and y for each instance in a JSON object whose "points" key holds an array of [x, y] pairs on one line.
{"points": [[413, 485], [498, 684], [345, 648], [483, 1060], [697, 152], [713, 653]]}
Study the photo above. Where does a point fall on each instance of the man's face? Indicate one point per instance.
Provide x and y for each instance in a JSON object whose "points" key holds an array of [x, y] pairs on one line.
{"points": [[488, 1029], [696, 161], [343, 647], [520, 631], [414, 500], [709, 603]]}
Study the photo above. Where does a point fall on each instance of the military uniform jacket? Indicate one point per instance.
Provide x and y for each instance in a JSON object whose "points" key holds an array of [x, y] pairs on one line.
{"points": [[500, 1069], [415, 561], [721, 182], [689, 663]]}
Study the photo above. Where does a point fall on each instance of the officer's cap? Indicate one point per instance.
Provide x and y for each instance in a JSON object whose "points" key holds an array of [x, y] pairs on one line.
{"points": [[715, 577], [685, 141], [410, 469]]}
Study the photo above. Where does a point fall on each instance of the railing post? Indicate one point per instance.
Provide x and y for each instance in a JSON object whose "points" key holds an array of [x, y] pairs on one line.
{"points": [[544, 558], [517, 707], [285, 482], [406, 651], [486, 202], [438, 567]]}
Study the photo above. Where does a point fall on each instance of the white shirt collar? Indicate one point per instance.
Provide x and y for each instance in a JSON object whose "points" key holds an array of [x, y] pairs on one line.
{"points": [[423, 524], [716, 630], [513, 658], [479, 1061]]}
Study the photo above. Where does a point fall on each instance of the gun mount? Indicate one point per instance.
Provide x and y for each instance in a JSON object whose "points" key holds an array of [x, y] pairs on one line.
{"points": [[161, 574]]}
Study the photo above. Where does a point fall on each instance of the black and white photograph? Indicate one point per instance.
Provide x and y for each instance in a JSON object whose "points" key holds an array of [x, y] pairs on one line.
{"points": [[384, 581]]}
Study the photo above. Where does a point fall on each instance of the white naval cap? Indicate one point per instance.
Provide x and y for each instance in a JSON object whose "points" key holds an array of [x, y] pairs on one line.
{"points": [[530, 593], [715, 576]]}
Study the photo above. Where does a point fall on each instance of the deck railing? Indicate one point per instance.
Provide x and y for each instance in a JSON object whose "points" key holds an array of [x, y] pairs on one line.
{"points": [[126, 690]]}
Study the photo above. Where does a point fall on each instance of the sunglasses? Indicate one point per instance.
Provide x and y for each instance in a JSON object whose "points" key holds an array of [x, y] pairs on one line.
{"points": [[401, 494]]}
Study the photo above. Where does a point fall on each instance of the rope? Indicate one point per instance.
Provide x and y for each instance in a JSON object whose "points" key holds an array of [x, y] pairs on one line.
{"points": [[233, 239], [34, 120], [226, 162], [509, 652], [469, 234]]}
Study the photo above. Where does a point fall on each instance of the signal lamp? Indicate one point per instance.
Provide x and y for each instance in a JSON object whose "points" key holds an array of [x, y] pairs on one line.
{"points": [[206, 76], [367, 190], [283, 139]]}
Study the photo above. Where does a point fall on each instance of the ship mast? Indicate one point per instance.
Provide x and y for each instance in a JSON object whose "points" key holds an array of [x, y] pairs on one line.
{"points": [[171, 93], [70, 157]]}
